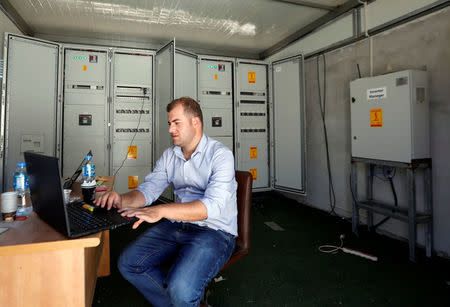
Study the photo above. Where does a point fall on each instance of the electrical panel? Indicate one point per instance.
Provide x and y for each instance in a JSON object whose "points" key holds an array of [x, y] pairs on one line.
{"points": [[390, 117], [85, 116], [252, 131], [131, 118], [216, 99]]}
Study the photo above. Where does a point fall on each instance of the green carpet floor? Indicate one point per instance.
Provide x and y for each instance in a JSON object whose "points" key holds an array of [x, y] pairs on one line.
{"points": [[285, 268]]}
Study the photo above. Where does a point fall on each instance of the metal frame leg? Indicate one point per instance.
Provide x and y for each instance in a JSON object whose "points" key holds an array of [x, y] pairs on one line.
{"points": [[370, 196], [354, 186], [411, 213], [429, 210]]}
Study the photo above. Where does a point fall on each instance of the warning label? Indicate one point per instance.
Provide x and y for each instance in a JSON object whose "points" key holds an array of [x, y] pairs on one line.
{"points": [[376, 118], [132, 152], [254, 172], [253, 152], [251, 77], [376, 93], [133, 182]]}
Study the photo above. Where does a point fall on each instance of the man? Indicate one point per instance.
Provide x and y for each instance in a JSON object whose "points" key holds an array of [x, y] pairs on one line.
{"points": [[199, 229]]}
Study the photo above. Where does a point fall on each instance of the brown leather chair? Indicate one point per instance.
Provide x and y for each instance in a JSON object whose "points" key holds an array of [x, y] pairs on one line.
{"points": [[244, 203]]}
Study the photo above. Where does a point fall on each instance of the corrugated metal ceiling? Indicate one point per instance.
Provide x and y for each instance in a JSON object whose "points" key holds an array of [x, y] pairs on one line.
{"points": [[247, 26]]}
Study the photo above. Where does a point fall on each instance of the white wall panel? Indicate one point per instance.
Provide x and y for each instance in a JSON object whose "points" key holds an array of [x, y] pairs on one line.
{"points": [[332, 33], [383, 11]]}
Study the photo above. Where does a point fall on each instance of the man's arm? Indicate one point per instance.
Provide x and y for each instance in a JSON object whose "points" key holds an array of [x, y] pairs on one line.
{"points": [[133, 199], [191, 211]]}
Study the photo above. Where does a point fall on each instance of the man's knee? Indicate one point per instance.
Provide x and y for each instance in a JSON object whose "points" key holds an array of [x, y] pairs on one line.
{"points": [[128, 265], [124, 265], [182, 293]]}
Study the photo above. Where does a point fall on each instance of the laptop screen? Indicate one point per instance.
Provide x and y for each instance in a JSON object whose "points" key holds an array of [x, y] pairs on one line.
{"points": [[46, 190], [68, 183]]}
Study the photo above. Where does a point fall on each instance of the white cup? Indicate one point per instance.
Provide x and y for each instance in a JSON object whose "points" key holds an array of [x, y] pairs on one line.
{"points": [[9, 205], [67, 196], [9, 202]]}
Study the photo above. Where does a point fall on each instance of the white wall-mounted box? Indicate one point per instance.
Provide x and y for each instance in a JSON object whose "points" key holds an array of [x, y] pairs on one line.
{"points": [[390, 117]]}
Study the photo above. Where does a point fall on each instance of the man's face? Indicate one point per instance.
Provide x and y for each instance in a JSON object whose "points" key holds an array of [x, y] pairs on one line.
{"points": [[181, 127]]}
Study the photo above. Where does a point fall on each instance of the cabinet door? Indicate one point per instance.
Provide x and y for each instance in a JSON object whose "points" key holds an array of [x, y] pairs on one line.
{"points": [[30, 115], [164, 94], [288, 117], [186, 74]]}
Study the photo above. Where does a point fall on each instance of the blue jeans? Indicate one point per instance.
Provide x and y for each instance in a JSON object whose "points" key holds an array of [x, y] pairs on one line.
{"points": [[200, 253]]}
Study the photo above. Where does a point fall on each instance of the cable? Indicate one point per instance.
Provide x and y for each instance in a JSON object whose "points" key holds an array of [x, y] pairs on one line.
{"points": [[331, 193], [389, 174], [132, 140], [332, 249]]}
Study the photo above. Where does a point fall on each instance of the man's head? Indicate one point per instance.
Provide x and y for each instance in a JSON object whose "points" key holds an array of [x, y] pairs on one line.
{"points": [[185, 120], [190, 106]]}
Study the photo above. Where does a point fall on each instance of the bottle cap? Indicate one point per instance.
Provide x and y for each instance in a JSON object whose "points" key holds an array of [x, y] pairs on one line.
{"points": [[21, 164]]}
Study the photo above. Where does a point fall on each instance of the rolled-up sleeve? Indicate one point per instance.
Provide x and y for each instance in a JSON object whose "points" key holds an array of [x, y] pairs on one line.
{"points": [[221, 185], [155, 182]]}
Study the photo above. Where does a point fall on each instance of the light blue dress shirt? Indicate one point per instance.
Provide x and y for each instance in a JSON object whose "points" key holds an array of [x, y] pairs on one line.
{"points": [[207, 176]]}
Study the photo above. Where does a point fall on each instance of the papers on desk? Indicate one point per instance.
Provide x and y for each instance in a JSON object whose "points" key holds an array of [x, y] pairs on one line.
{"points": [[8, 225]]}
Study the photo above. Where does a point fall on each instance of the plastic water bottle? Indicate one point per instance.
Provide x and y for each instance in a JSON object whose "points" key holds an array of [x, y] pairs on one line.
{"points": [[88, 170], [22, 188]]}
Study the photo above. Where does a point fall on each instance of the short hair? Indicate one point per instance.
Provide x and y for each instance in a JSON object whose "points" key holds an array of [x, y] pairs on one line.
{"points": [[190, 107]]}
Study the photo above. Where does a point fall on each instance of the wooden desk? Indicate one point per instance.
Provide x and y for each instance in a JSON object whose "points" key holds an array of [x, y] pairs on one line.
{"points": [[41, 267]]}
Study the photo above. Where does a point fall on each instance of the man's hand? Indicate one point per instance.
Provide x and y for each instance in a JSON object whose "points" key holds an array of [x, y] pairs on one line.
{"points": [[148, 214], [109, 199]]}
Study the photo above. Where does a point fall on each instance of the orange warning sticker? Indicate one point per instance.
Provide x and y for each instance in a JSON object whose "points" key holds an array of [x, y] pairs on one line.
{"points": [[253, 152], [132, 152], [84, 67], [133, 182], [251, 77], [254, 172], [376, 118], [215, 77]]}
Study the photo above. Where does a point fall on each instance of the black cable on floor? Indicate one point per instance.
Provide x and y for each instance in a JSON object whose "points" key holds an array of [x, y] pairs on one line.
{"points": [[331, 193]]}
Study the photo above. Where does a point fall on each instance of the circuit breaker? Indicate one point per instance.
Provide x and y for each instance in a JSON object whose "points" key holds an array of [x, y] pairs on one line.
{"points": [[85, 123], [216, 99], [390, 117], [252, 122], [131, 118]]}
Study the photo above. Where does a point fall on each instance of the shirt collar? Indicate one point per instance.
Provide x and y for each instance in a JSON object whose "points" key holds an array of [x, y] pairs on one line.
{"points": [[199, 149]]}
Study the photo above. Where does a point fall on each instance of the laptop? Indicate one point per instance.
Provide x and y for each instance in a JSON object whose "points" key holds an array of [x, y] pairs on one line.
{"points": [[47, 197], [68, 184]]}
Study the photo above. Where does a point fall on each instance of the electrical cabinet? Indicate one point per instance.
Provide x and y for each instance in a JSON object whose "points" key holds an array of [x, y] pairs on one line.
{"points": [[131, 120], [107, 107], [252, 121], [216, 98], [288, 160], [85, 116], [30, 113], [390, 117]]}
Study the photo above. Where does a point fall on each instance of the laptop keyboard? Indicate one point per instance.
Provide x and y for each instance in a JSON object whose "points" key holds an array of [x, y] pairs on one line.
{"points": [[81, 219]]}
